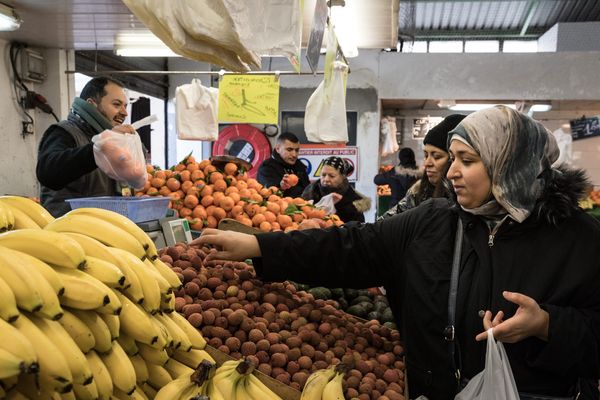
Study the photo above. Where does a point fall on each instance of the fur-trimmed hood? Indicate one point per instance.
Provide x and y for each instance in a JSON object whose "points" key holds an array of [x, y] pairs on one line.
{"points": [[363, 203], [563, 189], [414, 172]]}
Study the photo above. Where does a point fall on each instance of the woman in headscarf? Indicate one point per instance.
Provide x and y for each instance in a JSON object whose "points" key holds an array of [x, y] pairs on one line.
{"points": [[401, 177], [436, 161], [528, 266], [350, 205]]}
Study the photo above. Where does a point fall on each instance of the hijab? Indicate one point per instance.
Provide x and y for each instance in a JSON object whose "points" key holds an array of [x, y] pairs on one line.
{"points": [[516, 150]]}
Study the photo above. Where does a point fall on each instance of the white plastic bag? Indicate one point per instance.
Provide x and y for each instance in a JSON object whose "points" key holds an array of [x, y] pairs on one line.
{"points": [[327, 203], [496, 381], [388, 130], [196, 112], [120, 156]]}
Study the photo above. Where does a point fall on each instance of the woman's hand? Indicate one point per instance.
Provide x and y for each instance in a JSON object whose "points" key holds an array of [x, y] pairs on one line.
{"points": [[228, 245], [529, 320], [284, 184]]}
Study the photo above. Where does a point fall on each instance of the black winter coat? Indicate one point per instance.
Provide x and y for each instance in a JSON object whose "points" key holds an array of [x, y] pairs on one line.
{"points": [[271, 172], [410, 254], [351, 206], [400, 179]]}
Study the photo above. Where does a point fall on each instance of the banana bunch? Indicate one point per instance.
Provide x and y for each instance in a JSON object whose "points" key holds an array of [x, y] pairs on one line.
{"points": [[190, 384], [325, 384], [7, 218], [24, 213], [234, 380]]}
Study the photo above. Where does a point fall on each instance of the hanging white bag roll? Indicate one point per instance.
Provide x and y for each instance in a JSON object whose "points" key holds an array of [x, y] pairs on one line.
{"points": [[496, 381]]}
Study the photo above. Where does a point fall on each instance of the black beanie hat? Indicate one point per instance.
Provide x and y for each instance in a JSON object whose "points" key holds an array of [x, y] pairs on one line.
{"points": [[407, 157], [438, 135], [343, 166]]}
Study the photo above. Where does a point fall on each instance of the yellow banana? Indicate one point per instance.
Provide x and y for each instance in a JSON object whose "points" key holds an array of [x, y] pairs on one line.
{"points": [[113, 323], [167, 273], [134, 290], [92, 247], [192, 358], [85, 392], [98, 327], [51, 247], [194, 335], [137, 394], [14, 342], [148, 390], [102, 378], [124, 223], [33, 210], [176, 369], [141, 370], [174, 389], [149, 285], [101, 230], [163, 284], [164, 338], [9, 383], [21, 283], [120, 368], [79, 331], [10, 364], [67, 396], [152, 355], [82, 291], [157, 376], [28, 387], [105, 272], [8, 218], [212, 392], [226, 379], [74, 357], [23, 221], [167, 303], [334, 390], [180, 338], [47, 271], [114, 306], [8, 304], [258, 390], [54, 370], [128, 344], [313, 388], [136, 323]]}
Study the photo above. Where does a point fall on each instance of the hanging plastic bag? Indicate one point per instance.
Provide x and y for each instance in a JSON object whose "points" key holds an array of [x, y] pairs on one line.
{"points": [[496, 381], [388, 131], [120, 156], [327, 203], [196, 112]]}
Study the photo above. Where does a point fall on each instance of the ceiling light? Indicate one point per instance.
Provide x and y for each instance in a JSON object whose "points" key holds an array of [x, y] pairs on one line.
{"points": [[141, 44], [9, 19], [477, 106], [344, 23], [541, 107]]}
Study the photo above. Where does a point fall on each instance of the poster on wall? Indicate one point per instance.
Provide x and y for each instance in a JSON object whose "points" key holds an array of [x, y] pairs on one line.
{"points": [[313, 157]]}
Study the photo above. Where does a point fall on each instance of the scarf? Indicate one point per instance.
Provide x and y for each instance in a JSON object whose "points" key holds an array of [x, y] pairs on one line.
{"points": [[516, 151], [90, 114]]}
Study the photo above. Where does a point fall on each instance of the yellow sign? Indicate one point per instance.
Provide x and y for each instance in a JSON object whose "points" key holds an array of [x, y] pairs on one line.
{"points": [[249, 98]]}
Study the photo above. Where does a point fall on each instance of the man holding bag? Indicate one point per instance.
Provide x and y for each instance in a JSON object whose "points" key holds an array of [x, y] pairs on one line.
{"points": [[66, 167]]}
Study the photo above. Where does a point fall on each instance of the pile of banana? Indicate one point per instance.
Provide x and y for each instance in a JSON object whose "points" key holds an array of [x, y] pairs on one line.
{"points": [[325, 384], [87, 308]]}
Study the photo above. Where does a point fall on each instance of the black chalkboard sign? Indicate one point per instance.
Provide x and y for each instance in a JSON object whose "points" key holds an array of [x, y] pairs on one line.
{"points": [[585, 127]]}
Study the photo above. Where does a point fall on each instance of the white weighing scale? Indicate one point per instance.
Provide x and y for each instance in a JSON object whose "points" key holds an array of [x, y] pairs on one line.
{"points": [[167, 231]]}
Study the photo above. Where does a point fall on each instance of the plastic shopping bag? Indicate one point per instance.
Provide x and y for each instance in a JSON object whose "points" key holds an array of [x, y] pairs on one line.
{"points": [[120, 156], [326, 203], [496, 381]]}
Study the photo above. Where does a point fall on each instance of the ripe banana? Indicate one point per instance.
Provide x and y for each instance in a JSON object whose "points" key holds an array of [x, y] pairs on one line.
{"points": [[174, 389], [134, 291], [75, 358], [113, 323], [51, 247], [152, 355], [33, 210], [79, 331], [334, 390], [47, 271], [67, 396], [167, 303], [98, 327], [194, 335], [158, 376], [141, 370], [8, 304], [23, 221], [105, 272], [114, 305], [105, 232], [148, 390], [92, 247], [28, 387], [21, 283], [136, 323], [226, 379], [149, 285], [102, 377], [192, 358], [120, 368], [54, 370], [7, 217], [85, 392], [258, 390], [313, 388], [82, 291], [163, 284], [128, 344], [176, 369], [180, 338], [10, 364], [124, 223], [167, 273], [164, 338], [137, 394]]}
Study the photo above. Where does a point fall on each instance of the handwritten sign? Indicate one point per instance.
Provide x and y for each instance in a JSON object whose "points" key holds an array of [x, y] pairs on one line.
{"points": [[249, 98]]}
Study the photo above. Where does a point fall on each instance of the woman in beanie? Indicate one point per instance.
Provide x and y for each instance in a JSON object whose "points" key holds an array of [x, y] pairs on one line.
{"points": [[349, 204], [527, 265], [436, 162], [401, 177]]}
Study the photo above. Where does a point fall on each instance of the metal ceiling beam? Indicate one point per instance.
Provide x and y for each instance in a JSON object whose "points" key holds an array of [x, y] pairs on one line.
{"points": [[533, 5], [453, 34]]}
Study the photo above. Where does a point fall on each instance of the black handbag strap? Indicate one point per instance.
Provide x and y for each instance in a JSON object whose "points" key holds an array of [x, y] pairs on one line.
{"points": [[449, 331]]}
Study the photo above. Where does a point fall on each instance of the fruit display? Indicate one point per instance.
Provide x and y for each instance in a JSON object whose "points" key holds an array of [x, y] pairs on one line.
{"points": [[289, 333], [592, 201], [204, 195]]}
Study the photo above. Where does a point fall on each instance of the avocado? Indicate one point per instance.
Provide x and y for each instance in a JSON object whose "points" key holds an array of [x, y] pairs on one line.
{"points": [[350, 293], [373, 315], [387, 316], [357, 310], [320, 293], [336, 293], [360, 299], [390, 325], [365, 292], [343, 303]]}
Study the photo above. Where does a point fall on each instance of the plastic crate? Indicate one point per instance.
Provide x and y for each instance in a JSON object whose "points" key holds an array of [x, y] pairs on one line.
{"points": [[137, 209]]}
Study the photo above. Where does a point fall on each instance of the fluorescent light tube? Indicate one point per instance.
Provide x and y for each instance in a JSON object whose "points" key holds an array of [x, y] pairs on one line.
{"points": [[9, 19]]}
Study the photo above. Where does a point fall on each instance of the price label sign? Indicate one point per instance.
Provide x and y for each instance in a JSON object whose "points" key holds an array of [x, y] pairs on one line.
{"points": [[249, 99]]}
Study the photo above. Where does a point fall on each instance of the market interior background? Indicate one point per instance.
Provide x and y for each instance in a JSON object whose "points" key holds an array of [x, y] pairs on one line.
{"points": [[416, 58]]}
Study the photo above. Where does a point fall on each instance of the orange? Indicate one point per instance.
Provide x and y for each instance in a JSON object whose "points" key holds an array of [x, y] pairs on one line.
{"points": [[231, 168], [190, 201], [292, 179], [173, 184]]}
